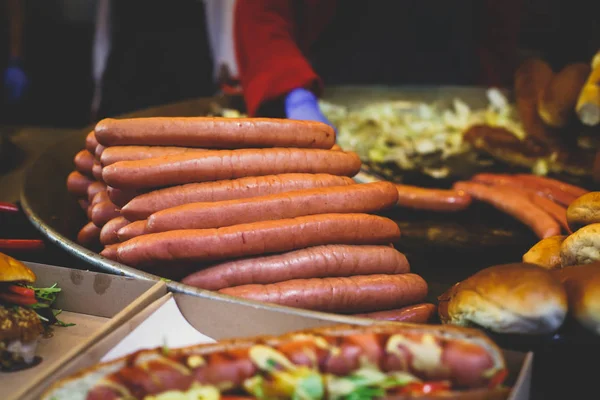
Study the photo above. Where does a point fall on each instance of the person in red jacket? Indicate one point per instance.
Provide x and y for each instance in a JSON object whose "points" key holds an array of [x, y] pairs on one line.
{"points": [[287, 49]]}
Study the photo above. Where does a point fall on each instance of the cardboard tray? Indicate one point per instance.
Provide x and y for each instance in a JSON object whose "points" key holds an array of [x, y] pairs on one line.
{"points": [[223, 320], [96, 303]]}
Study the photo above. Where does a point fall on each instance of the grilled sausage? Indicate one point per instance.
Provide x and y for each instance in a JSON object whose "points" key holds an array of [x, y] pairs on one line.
{"points": [[108, 234], [77, 184], [215, 165], [195, 245], [432, 199], [364, 293], [417, 314], [84, 161], [313, 262], [132, 153], [219, 133], [144, 205]]}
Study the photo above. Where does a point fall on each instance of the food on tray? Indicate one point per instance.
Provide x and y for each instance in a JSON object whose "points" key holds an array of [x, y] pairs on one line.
{"points": [[582, 283], [546, 253], [342, 362], [512, 298], [410, 136], [251, 220], [588, 104], [581, 247], [25, 314], [585, 210]]}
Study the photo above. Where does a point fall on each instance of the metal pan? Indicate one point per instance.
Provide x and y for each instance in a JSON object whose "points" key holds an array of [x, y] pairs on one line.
{"points": [[56, 214]]}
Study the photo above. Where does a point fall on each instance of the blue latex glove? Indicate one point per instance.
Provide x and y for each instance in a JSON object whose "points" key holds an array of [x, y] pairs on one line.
{"points": [[302, 104], [15, 83]]}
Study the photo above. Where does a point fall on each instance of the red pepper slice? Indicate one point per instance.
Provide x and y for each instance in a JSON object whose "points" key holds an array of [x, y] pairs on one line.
{"points": [[21, 290], [426, 387], [18, 299], [498, 378]]}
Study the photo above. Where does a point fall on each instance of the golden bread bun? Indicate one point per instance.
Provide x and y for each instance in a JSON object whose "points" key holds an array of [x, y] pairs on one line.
{"points": [[581, 247], [585, 210], [545, 253], [582, 283], [588, 104], [559, 97], [12, 270], [512, 298]]}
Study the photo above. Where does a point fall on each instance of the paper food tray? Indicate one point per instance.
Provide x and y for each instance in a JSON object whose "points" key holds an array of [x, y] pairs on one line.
{"points": [[96, 303], [197, 320]]}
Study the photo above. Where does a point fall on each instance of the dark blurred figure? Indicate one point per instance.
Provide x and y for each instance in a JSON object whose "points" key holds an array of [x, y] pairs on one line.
{"points": [[159, 53]]}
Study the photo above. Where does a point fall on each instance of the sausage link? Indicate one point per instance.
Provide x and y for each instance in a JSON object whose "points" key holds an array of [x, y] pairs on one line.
{"points": [[313, 262], [132, 153], [108, 234], [84, 161], [129, 231], [77, 184], [98, 153], [574, 191], [432, 199], [365, 293], [212, 132], [91, 142], [94, 189], [515, 205], [417, 314], [88, 235], [121, 197], [360, 198], [97, 171], [216, 165], [256, 238], [144, 205], [103, 212]]}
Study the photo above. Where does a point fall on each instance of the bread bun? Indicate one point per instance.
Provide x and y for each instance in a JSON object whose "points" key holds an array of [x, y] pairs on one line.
{"points": [[559, 97], [12, 270], [545, 253], [582, 284], [511, 298], [581, 247], [585, 210]]}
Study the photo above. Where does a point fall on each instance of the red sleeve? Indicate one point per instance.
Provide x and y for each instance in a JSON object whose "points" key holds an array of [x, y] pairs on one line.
{"points": [[270, 49], [499, 41]]}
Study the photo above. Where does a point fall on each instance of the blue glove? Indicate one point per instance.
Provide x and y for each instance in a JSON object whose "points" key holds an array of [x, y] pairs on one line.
{"points": [[302, 104], [15, 83]]}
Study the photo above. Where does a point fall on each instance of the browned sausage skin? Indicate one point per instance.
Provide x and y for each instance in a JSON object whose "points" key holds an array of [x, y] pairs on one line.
{"points": [[359, 198], [264, 237], [144, 205], [313, 262], [219, 133], [214, 165]]}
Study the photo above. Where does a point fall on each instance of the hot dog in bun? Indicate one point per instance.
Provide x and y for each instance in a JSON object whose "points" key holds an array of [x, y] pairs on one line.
{"points": [[386, 360]]}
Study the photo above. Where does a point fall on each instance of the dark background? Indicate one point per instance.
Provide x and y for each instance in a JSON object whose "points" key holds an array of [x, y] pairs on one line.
{"points": [[59, 39]]}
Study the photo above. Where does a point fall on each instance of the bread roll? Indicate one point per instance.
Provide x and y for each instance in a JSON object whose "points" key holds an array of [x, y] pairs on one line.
{"points": [[584, 211], [581, 247], [545, 253], [559, 97], [582, 284], [511, 298]]}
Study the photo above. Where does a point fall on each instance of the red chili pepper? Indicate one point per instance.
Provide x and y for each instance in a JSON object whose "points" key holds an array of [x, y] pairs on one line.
{"points": [[21, 290], [498, 378], [426, 387], [17, 299]]}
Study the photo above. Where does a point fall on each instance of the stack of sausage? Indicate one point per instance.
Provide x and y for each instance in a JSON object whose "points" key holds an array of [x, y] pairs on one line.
{"points": [[260, 209], [536, 201]]}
